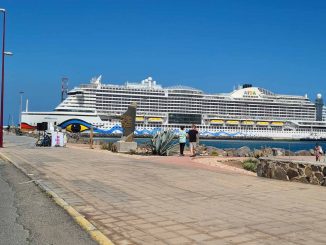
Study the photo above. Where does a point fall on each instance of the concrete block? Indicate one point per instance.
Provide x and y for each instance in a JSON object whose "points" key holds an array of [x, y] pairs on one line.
{"points": [[123, 146]]}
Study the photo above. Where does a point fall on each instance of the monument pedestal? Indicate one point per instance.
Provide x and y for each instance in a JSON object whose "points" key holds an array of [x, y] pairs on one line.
{"points": [[123, 146]]}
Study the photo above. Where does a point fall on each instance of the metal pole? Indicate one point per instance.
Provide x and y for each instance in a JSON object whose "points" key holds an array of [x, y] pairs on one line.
{"points": [[91, 141], [3, 78]]}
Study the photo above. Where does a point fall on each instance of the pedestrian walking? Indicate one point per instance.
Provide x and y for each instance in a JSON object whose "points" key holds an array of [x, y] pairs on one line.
{"points": [[182, 139], [193, 136], [318, 152], [321, 152]]}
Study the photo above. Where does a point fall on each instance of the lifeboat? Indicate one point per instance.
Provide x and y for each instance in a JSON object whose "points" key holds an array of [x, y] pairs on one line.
{"points": [[155, 119], [232, 122], [248, 123], [262, 123], [217, 121], [278, 124], [139, 119]]}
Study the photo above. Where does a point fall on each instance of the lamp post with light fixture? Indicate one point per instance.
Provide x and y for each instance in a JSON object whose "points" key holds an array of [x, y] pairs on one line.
{"points": [[3, 11]]}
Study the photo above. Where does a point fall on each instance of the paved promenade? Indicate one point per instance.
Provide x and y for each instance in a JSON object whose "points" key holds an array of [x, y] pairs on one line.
{"points": [[144, 201]]}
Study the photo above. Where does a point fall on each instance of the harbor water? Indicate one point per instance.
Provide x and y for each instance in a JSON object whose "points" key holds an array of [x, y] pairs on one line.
{"points": [[252, 144]]}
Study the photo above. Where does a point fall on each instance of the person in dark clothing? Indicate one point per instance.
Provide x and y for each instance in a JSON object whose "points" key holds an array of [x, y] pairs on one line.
{"points": [[193, 136]]}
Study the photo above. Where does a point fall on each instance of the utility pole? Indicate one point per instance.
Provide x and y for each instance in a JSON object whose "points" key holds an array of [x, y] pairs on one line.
{"points": [[91, 140]]}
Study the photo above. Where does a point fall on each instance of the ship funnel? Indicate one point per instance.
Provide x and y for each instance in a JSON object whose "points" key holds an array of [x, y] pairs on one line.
{"points": [[26, 105]]}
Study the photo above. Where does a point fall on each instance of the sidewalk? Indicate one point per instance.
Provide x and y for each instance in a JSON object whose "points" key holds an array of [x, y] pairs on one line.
{"points": [[135, 200]]}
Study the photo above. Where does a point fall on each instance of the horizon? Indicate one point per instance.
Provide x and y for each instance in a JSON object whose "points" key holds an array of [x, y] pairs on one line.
{"points": [[213, 46]]}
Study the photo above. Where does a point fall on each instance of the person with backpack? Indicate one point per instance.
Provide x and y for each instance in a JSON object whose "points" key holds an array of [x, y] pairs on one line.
{"points": [[182, 139]]}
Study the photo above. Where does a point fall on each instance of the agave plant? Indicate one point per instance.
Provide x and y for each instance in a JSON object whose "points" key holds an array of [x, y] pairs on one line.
{"points": [[162, 142]]}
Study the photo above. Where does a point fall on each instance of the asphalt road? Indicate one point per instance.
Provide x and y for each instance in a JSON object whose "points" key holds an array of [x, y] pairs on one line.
{"points": [[28, 216]]}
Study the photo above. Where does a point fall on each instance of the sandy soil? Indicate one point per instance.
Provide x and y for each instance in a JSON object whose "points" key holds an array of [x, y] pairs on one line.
{"points": [[227, 163]]}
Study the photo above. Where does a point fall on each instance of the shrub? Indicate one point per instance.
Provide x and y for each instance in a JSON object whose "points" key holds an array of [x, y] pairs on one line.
{"points": [[162, 142], [250, 165], [214, 153], [110, 146]]}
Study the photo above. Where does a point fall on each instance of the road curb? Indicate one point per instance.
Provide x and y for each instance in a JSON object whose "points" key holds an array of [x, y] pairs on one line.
{"points": [[95, 234]]}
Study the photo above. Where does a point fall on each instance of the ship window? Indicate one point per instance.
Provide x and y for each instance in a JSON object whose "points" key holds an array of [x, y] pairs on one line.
{"points": [[184, 118]]}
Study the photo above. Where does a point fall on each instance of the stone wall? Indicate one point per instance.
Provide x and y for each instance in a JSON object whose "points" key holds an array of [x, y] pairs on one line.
{"points": [[312, 173]]}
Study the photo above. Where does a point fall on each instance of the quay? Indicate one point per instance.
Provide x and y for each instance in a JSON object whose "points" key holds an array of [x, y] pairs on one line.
{"points": [[171, 200]]}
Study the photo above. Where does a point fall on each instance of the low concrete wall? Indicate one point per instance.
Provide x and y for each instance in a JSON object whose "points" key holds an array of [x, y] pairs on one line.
{"points": [[305, 172]]}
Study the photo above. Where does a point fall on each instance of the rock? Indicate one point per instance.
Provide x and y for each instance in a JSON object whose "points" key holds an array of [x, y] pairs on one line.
{"points": [[231, 152], [202, 150], [288, 170], [285, 165], [319, 176], [315, 168], [267, 152], [293, 165], [308, 171], [279, 173], [301, 165], [288, 153], [301, 180], [314, 181], [257, 153], [301, 171], [259, 170], [277, 152], [303, 153], [292, 173], [215, 151], [267, 171], [243, 151]]}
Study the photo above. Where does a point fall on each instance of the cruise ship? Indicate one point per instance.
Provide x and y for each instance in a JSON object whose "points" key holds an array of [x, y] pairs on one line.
{"points": [[247, 111]]}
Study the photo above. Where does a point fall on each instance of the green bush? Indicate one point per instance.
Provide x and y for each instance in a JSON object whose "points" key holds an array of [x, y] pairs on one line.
{"points": [[214, 153], [110, 146], [162, 142], [250, 165]]}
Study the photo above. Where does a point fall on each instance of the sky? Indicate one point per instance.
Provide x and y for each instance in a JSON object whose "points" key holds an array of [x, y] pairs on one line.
{"points": [[211, 45]]}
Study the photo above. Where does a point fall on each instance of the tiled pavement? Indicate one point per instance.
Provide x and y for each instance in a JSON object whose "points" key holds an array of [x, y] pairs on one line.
{"points": [[143, 201]]}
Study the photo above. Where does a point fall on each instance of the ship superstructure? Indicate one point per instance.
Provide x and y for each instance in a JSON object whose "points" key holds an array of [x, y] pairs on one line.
{"points": [[246, 111]]}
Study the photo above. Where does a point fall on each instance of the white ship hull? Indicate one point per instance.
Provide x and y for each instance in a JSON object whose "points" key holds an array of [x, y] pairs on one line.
{"points": [[84, 121]]}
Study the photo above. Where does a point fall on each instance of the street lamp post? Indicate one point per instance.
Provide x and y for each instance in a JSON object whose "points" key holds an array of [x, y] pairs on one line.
{"points": [[3, 11]]}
